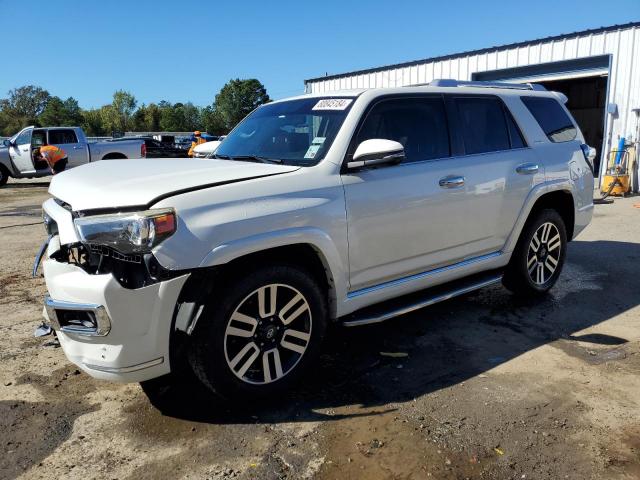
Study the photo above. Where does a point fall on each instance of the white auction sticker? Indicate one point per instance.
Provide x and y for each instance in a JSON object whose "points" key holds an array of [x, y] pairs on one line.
{"points": [[333, 104], [312, 151], [318, 140]]}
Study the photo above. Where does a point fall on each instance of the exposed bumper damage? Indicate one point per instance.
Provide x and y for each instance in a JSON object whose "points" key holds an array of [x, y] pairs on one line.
{"points": [[112, 315], [136, 345]]}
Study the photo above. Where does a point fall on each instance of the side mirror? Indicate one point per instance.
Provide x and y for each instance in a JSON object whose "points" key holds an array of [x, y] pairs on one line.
{"points": [[7, 143], [377, 151]]}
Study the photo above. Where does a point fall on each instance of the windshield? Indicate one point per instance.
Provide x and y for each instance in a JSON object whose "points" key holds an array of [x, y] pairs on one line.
{"points": [[296, 132]]}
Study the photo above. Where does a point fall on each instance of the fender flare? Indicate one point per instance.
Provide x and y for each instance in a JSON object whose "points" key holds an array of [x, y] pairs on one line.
{"points": [[561, 185], [114, 156], [8, 164], [319, 240]]}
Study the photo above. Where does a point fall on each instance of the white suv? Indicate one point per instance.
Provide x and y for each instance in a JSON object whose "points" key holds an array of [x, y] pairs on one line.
{"points": [[315, 209]]}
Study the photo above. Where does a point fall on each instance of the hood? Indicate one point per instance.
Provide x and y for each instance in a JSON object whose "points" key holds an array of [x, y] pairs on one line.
{"points": [[132, 183], [207, 147]]}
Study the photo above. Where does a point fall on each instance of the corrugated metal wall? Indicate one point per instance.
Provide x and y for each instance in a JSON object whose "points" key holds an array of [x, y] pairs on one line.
{"points": [[622, 44]]}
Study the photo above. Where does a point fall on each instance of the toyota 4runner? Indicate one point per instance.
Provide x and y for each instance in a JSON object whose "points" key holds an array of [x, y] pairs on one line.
{"points": [[349, 207]]}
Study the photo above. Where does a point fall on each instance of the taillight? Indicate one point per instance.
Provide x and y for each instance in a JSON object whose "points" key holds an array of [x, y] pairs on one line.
{"points": [[143, 150], [589, 155]]}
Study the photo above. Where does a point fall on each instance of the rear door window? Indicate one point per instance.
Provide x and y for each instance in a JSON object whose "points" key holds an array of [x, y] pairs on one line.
{"points": [[552, 118], [483, 123], [39, 138], [418, 123], [62, 136]]}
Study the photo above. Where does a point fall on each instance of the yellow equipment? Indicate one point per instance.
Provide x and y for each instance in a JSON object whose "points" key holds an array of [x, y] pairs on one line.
{"points": [[616, 180]]}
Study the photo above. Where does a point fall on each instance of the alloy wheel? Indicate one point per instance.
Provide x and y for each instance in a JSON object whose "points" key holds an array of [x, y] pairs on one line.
{"points": [[267, 334], [543, 255]]}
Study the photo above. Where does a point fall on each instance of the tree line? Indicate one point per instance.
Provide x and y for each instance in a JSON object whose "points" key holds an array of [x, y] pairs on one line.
{"points": [[32, 105]]}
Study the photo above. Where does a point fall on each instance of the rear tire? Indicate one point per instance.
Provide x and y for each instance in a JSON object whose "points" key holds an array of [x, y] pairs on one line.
{"points": [[259, 334], [539, 255], [4, 175]]}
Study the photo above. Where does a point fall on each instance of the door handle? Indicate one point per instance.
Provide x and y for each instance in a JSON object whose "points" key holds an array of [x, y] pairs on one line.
{"points": [[451, 182], [25, 149], [527, 168], [77, 147]]}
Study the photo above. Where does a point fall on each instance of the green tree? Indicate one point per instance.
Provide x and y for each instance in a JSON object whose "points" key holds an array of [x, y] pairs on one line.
{"points": [[61, 113], [21, 108], [191, 117], [116, 117], [238, 98], [139, 119], [92, 123], [168, 118], [152, 117], [212, 121]]}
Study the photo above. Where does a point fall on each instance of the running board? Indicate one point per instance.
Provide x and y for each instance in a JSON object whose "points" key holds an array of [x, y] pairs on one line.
{"points": [[415, 301]]}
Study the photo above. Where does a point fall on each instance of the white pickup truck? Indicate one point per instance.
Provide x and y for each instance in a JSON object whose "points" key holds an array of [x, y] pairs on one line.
{"points": [[16, 154]]}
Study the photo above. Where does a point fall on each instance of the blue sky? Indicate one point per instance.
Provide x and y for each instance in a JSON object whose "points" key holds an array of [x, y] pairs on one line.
{"points": [[187, 50]]}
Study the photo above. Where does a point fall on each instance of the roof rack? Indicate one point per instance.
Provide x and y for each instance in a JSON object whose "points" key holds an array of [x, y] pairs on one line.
{"points": [[448, 82]]}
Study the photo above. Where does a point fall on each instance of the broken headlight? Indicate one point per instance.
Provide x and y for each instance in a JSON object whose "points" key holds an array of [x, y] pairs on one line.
{"points": [[128, 233]]}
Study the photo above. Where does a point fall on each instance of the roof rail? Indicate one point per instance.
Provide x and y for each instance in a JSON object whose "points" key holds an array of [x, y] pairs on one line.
{"points": [[448, 82]]}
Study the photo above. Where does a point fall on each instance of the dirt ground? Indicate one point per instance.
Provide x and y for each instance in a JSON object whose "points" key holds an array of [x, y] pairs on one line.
{"points": [[491, 387]]}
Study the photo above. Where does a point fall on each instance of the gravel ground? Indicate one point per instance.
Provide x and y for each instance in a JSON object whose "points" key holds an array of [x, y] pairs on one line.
{"points": [[490, 387]]}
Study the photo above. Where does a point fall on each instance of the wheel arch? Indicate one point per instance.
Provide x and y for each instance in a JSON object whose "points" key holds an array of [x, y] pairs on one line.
{"points": [[555, 196], [5, 173], [305, 245], [8, 166], [114, 156], [304, 255], [203, 280], [560, 201]]}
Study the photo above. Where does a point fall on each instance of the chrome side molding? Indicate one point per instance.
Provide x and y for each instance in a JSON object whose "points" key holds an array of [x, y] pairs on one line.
{"points": [[418, 276]]}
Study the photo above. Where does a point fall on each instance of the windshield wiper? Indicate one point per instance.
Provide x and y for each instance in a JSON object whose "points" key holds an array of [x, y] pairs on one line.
{"points": [[255, 158]]}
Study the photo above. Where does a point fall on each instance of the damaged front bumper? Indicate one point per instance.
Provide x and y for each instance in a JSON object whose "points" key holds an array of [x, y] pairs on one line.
{"points": [[109, 331], [113, 320]]}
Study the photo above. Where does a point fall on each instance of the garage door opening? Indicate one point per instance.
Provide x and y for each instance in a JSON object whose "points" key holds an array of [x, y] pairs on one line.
{"points": [[587, 99], [583, 80]]}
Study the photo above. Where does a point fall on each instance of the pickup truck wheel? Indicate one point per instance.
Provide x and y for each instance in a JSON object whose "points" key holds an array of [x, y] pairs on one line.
{"points": [[4, 175], [258, 335], [538, 258]]}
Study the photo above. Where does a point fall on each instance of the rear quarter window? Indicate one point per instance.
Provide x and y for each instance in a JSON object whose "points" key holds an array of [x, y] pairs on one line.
{"points": [[552, 118], [60, 137]]}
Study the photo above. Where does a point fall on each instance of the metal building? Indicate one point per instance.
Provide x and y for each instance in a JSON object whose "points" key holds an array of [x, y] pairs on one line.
{"points": [[598, 70]]}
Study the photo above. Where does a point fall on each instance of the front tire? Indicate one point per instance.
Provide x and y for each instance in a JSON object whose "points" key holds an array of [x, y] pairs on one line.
{"points": [[258, 335], [539, 255]]}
